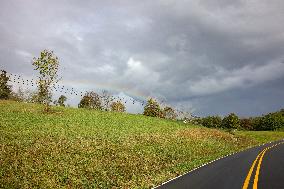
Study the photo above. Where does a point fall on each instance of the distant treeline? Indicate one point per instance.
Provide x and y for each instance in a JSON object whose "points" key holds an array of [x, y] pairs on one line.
{"points": [[270, 121]]}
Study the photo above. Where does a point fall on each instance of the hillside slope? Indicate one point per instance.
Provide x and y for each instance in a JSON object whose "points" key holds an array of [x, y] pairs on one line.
{"points": [[79, 148]]}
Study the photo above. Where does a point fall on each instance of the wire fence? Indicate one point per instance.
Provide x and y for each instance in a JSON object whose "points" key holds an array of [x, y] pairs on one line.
{"points": [[72, 91]]}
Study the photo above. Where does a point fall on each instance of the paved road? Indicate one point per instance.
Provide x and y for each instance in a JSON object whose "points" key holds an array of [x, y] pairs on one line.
{"points": [[260, 167]]}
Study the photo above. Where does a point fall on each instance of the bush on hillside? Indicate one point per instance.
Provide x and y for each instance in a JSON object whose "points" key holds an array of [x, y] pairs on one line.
{"points": [[61, 101], [117, 107], [153, 109], [231, 121], [91, 100]]}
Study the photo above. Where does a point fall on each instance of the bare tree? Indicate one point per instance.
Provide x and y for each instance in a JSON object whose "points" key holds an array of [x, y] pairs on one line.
{"points": [[107, 99]]}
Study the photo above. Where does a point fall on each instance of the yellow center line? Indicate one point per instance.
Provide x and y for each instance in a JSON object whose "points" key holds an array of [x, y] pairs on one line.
{"points": [[259, 157], [255, 182], [246, 183], [258, 169]]}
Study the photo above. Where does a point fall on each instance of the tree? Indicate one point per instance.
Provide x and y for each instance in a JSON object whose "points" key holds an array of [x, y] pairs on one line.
{"points": [[47, 65], [61, 100], [211, 121], [169, 113], [246, 123], [91, 100], [256, 123], [231, 121], [153, 109], [5, 89], [271, 121], [106, 99], [117, 107], [43, 95]]}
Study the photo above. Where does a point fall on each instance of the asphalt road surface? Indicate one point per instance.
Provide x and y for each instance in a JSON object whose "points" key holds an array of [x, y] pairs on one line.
{"points": [[260, 167]]}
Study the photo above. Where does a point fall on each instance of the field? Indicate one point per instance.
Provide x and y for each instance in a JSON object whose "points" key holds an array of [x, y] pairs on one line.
{"points": [[80, 148]]}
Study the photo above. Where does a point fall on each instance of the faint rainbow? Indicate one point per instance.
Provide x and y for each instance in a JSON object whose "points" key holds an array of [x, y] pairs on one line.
{"points": [[86, 85]]}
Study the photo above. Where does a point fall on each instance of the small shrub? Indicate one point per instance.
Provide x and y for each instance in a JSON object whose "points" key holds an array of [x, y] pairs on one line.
{"points": [[61, 100], [117, 107]]}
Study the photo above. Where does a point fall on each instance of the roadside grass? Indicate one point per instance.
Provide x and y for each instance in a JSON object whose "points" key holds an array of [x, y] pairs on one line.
{"points": [[79, 148], [263, 136]]}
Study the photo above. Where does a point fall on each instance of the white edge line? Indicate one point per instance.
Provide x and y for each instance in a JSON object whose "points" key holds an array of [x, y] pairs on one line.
{"points": [[222, 157]]}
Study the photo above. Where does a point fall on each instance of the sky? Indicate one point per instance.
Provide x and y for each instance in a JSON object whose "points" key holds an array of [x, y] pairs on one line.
{"points": [[206, 56]]}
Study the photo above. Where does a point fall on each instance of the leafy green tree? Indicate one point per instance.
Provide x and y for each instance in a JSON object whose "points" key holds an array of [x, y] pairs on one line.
{"points": [[61, 100], [256, 123], [153, 109], [271, 121], [247, 124], [117, 107], [212, 121], [5, 89], [169, 113], [231, 121], [91, 100], [47, 65]]}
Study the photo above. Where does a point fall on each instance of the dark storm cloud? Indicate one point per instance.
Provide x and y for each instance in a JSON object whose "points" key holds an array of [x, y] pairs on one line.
{"points": [[194, 52]]}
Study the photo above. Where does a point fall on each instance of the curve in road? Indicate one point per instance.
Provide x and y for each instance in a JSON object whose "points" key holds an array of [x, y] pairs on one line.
{"points": [[258, 167]]}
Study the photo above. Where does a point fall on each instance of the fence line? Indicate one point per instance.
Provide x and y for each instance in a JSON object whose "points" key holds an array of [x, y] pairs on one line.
{"points": [[18, 79]]}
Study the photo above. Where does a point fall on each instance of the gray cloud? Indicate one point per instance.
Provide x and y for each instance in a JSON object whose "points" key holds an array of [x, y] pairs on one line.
{"points": [[190, 52]]}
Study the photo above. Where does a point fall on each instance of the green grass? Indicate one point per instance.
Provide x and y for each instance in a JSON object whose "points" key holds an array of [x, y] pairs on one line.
{"points": [[262, 136], [79, 148]]}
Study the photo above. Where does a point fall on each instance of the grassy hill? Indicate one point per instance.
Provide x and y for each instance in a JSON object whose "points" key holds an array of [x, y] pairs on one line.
{"points": [[79, 148]]}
